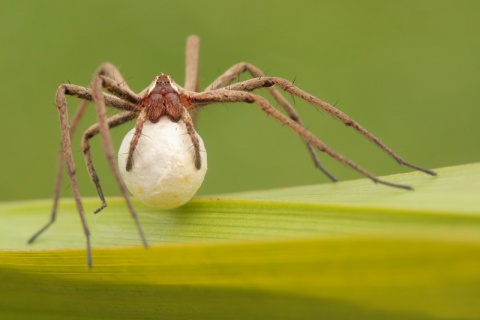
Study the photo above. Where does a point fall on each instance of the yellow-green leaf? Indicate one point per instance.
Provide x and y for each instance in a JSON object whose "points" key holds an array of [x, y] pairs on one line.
{"points": [[350, 250]]}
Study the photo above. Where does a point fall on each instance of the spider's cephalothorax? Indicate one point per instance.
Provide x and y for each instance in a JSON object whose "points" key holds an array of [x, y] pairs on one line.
{"points": [[163, 99]]}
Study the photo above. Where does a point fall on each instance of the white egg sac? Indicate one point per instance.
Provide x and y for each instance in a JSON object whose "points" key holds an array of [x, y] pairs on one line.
{"points": [[163, 173]]}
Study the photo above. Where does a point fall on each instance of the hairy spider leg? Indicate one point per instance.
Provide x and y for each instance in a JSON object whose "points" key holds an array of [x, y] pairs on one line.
{"points": [[98, 98], [225, 95], [93, 130], [59, 174], [192, 70], [105, 69], [289, 87], [67, 157], [226, 79]]}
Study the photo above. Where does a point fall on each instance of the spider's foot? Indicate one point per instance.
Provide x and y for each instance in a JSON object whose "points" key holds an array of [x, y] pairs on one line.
{"points": [[104, 205], [395, 185], [414, 166]]}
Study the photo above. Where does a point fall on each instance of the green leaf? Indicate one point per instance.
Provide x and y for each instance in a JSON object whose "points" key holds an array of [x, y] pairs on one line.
{"points": [[349, 250]]}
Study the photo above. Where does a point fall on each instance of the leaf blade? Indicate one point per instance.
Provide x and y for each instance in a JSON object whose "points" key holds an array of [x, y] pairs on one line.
{"points": [[242, 257]]}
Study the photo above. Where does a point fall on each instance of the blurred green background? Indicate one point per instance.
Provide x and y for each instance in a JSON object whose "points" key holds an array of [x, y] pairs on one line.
{"points": [[407, 70]]}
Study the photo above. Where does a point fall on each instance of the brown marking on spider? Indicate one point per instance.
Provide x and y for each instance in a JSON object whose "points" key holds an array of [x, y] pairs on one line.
{"points": [[165, 98], [162, 99]]}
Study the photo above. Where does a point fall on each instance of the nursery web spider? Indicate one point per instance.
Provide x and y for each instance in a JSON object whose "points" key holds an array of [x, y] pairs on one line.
{"points": [[164, 98]]}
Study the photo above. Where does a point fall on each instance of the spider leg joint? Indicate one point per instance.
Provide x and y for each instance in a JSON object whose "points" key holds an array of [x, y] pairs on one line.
{"points": [[268, 83]]}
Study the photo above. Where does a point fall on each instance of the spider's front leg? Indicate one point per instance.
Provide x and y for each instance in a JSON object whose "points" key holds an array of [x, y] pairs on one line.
{"points": [[103, 127], [253, 84], [224, 95], [60, 168], [64, 157], [114, 82], [111, 80], [61, 103], [225, 81]]}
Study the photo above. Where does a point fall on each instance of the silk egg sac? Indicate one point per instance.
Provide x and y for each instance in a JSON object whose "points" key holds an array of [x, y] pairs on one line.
{"points": [[163, 174]]}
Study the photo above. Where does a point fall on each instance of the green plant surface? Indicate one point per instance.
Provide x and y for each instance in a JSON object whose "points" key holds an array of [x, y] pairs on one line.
{"points": [[350, 250]]}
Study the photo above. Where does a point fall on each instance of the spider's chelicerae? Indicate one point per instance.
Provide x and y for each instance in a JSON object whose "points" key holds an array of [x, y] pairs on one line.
{"points": [[164, 99]]}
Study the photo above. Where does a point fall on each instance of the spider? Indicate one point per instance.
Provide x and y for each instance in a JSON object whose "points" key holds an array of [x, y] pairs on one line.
{"points": [[164, 98]]}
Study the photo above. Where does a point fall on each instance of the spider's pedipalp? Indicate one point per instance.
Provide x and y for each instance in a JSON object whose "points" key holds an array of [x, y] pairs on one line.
{"points": [[194, 138], [142, 117]]}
